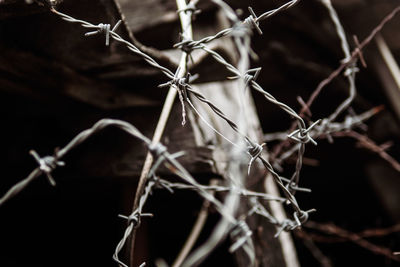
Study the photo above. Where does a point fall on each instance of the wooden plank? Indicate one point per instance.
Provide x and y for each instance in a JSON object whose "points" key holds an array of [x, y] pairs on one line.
{"points": [[270, 251], [24, 73]]}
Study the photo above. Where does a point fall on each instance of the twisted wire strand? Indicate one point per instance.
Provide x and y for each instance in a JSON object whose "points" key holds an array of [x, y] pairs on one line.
{"points": [[133, 221], [275, 11], [251, 22], [267, 165], [303, 134], [239, 231], [256, 86], [80, 138], [351, 70], [327, 125], [170, 162], [101, 28], [117, 38], [170, 75]]}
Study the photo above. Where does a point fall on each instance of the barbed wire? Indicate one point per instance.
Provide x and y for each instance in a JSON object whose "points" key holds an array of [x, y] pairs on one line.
{"points": [[355, 54], [302, 136], [241, 32], [105, 29], [48, 164], [328, 127], [182, 86], [251, 22], [324, 130]]}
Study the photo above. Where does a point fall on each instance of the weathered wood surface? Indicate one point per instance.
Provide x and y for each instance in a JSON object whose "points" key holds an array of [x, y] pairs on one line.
{"points": [[268, 249]]}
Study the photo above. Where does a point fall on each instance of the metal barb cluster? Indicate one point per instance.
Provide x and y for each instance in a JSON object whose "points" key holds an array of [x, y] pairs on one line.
{"points": [[181, 85], [241, 233], [47, 164], [255, 151], [252, 21], [249, 76], [303, 135], [104, 28]]}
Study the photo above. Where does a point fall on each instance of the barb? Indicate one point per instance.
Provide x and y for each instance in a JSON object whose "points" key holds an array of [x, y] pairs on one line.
{"points": [[181, 85], [106, 29], [249, 76], [266, 164], [256, 86], [251, 22], [159, 151], [241, 233], [134, 220], [255, 151], [47, 165], [284, 225], [303, 135], [335, 129], [354, 55], [348, 62]]}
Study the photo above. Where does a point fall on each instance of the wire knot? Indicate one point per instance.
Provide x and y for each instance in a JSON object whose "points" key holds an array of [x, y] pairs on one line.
{"points": [[240, 232], [181, 84], [303, 135], [135, 218], [104, 28], [47, 164], [161, 184], [287, 226], [294, 187], [157, 149], [187, 45], [351, 70], [302, 216], [252, 21], [249, 76], [255, 151]]}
